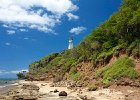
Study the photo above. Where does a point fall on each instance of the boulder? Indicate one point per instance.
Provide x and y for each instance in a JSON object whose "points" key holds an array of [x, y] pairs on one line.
{"points": [[63, 93]]}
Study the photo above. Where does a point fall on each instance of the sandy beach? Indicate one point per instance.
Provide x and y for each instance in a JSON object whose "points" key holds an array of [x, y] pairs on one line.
{"points": [[6, 89], [38, 90]]}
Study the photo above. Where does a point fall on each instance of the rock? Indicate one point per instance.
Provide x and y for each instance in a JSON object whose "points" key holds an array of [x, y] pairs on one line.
{"points": [[2, 97], [42, 84], [126, 95], [63, 93], [51, 91], [42, 78], [55, 91], [79, 85], [52, 85], [101, 94], [30, 87], [22, 97], [83, 97], [6, 82]]}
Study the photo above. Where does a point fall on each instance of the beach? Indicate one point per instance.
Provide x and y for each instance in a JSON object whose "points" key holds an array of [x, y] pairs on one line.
{"points": [[7, 84], [39, 90]]}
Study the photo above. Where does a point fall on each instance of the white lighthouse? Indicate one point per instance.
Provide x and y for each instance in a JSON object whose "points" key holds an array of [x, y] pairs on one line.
{"points": [[70, 43]]}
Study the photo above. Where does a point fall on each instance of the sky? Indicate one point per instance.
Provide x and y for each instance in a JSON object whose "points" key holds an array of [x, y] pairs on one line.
{"points": [[32, 29]]}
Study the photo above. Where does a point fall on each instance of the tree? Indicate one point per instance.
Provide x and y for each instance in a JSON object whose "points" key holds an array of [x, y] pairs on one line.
{"points": [[22, 75]]}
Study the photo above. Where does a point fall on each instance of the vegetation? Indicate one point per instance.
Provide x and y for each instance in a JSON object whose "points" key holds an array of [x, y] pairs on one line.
{"points": [[119, 34], [92, 87], [123, 67], [22, 75]]}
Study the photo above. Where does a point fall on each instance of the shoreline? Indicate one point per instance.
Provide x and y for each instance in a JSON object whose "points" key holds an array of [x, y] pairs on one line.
{"points": [[45, 90], [4, 88]]}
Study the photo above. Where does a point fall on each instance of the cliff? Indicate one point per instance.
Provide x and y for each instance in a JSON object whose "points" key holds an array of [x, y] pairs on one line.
{"points": [[110, 54]]}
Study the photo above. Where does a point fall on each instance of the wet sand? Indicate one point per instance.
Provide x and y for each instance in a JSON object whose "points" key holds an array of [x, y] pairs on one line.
{"points": [[5, 89]]}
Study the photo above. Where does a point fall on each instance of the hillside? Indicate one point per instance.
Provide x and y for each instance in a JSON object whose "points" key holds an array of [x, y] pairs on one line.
{"points": [[110, 54]]}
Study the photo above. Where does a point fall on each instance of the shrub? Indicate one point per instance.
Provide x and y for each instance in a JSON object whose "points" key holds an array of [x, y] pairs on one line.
{"points": [[136, 52], [75, 76], [100, 72], [123, 67], [107, 45], [68, 64], [22, 75], [104, 55], [92, 87]]}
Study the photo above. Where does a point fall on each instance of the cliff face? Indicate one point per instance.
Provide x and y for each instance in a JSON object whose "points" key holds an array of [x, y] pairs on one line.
{"points": [[109, 54]]}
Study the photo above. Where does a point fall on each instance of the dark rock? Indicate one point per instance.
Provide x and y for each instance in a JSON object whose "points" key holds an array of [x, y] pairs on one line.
{"points": [[42, 78], [55, 91], [63, 93], [52, 85], [6, 82]]}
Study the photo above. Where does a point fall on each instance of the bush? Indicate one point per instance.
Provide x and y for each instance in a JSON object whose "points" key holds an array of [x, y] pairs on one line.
{"points": [[107, 45], [136, 52], [100, 72], [68, 64], [22, 75], [123, 67], [75, 76], [105, 55], [132, 46], [92, 87]]}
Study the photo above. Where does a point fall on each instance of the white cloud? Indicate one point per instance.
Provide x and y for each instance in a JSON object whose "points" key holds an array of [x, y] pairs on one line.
{"points": [[11, 32], [72, 16], [2, 72], [8, 44], [21, 13], [77, 30], [17, 71]]}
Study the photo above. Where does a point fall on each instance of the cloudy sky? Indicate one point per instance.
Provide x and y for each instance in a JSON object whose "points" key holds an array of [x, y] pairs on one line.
{"points": [[31, 29]]}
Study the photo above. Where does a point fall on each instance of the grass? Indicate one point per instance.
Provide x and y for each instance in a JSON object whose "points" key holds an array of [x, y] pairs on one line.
{"points": [[123, 67], [102, 71], [68, 64], [75, 76]]}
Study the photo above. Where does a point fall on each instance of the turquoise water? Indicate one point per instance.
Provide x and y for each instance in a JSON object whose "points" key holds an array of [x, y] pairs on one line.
{"points": [[7, 81]]}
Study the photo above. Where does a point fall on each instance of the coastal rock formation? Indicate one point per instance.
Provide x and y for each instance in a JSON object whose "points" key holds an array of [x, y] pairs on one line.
{"points": [[63, 93], [23, 92]]}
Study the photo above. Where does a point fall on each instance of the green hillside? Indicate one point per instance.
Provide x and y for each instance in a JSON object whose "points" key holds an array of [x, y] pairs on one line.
{"points": [[117, 36]]}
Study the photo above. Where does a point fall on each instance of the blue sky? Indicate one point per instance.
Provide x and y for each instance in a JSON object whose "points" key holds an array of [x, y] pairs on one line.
{"points": [[35, 29]]}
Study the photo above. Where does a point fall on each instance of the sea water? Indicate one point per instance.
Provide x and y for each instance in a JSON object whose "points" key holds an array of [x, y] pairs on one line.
{"points": [[7, 82]]}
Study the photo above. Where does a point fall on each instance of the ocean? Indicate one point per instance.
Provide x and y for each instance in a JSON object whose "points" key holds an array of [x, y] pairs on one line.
{"points": [[7, 82]]}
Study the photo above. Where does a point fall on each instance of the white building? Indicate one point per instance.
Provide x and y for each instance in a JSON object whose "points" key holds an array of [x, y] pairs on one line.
{"points": [[70, 43]]}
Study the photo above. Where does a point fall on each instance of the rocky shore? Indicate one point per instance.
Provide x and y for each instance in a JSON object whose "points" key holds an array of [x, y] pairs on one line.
{"points": [[67, 90]]}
